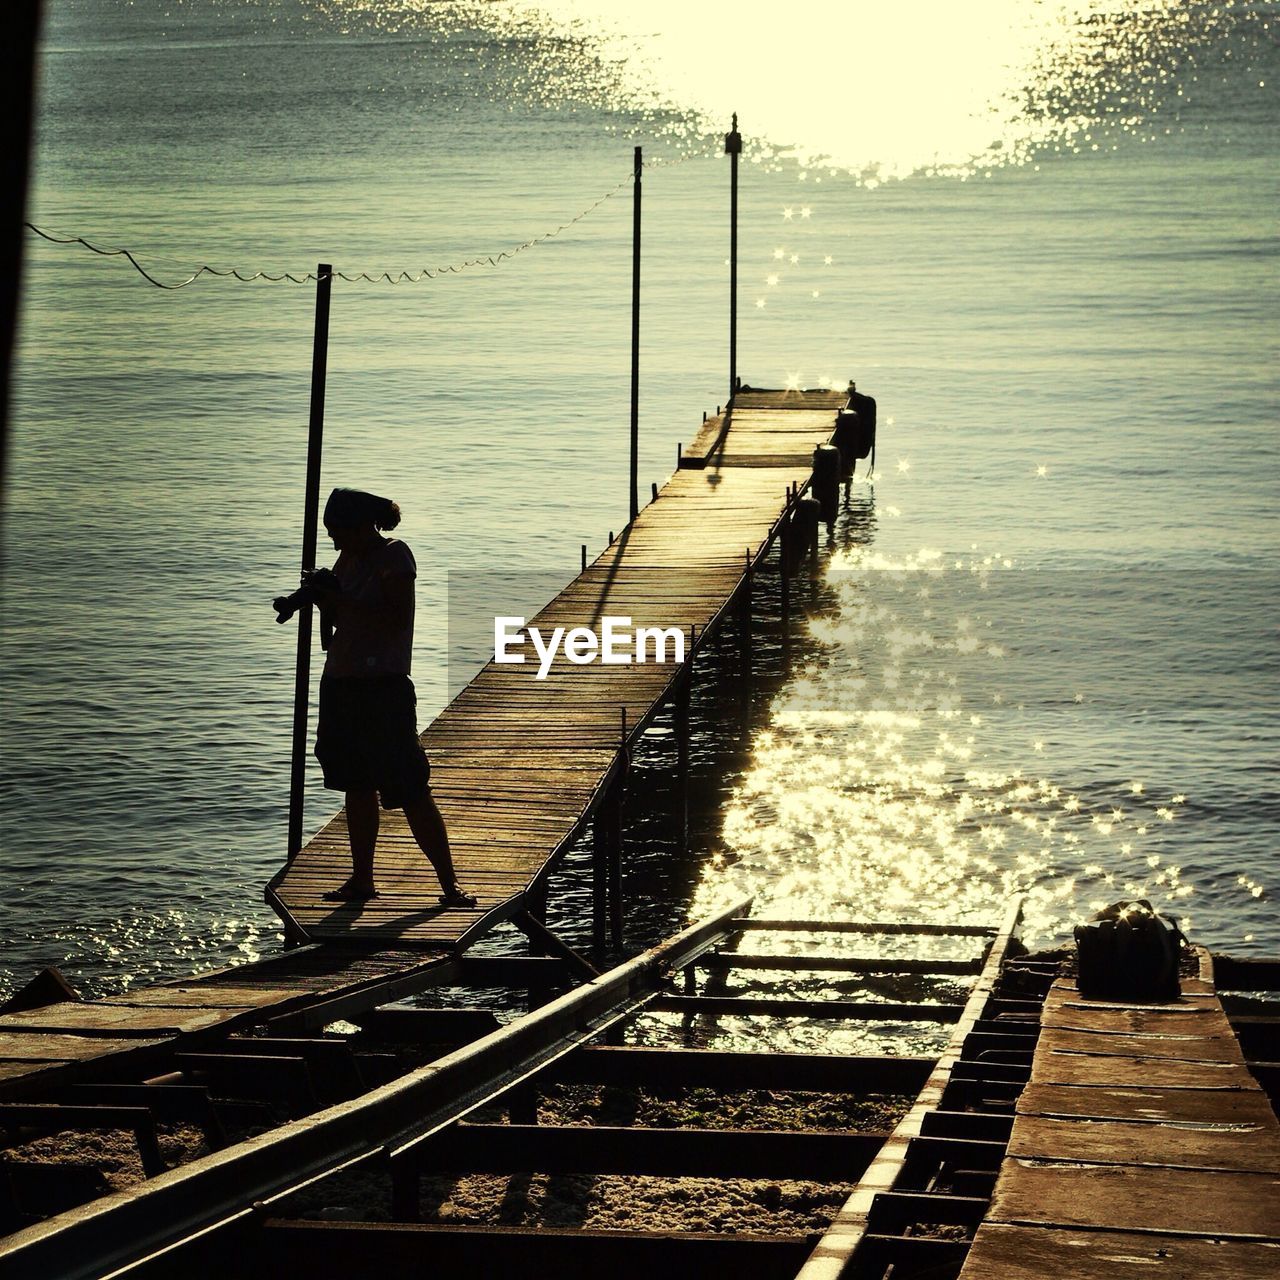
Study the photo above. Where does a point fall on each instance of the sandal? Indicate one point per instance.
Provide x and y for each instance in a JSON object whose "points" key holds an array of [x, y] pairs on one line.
{"points": [[347, 892], [457, 897]]}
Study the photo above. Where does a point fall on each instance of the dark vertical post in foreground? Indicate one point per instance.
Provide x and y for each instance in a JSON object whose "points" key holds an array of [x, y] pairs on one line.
{"points": [[684, 687], [745, 640], [615, 841], [17, 88], [784, 571], [635, 336], [733, 149], [310, 520]]}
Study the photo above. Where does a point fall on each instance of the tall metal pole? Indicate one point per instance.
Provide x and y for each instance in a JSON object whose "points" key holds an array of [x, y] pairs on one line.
{"points": [[635, 338], [733, 149], [310, 520], [18, 56]]}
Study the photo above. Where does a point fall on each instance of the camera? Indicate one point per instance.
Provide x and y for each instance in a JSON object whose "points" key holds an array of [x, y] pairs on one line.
{"points": [[313, 582]]}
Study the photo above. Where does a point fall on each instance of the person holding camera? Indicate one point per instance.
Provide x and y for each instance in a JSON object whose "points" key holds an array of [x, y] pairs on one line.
{"points": [[367, 736]]}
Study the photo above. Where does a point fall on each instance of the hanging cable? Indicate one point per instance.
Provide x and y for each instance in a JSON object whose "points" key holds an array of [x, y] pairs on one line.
{"points": [[361, 277]]}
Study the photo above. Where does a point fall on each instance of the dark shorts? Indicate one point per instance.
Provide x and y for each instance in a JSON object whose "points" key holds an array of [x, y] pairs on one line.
{"points": [[367, 738]]}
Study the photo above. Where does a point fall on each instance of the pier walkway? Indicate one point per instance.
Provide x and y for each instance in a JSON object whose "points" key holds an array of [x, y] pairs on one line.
{"points": [[1142, 1146], [519, 766]]}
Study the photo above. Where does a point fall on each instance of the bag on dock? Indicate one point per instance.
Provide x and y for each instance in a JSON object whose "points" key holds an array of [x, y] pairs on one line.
{"points": [[1129, 952]]}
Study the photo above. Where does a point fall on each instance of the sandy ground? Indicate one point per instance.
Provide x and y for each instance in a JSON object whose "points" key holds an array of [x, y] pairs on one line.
{"points": [[634, 1203]]}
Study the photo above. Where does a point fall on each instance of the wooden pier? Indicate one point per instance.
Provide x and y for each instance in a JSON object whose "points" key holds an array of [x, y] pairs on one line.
{"points": [[1142, 1146], [519, 769], [520, 766]]}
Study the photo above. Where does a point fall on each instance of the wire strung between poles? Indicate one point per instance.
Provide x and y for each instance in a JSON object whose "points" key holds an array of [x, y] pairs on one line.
{"points": [[360, 277]]}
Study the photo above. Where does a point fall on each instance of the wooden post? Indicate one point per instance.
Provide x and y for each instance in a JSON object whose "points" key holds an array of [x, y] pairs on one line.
{"points": [[733, 149], [535, 902], [606, 859], [744, 620], [616, 795], [310, 520], [684, 687], [635, 336], [599, 882], [784, 571], [615, 864], [584, 557]]}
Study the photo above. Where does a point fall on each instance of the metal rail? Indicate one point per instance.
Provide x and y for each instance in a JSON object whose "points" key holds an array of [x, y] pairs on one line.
{"points": [[850, 1231], [231, 1210], [133, 1229]]}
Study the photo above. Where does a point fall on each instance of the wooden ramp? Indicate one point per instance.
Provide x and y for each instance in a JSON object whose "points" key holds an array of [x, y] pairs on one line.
{"points": [[63, 1043], [1142, 1146], [519, 765]]}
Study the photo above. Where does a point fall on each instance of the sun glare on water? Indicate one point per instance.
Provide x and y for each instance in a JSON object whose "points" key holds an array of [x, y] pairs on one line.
{"points": [[882, 90], [908, 774]]}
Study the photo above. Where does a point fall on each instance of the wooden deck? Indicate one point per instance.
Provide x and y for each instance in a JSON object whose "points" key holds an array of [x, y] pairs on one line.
{"points": [[519, 765], [62, 1043], [1141, 1147]]}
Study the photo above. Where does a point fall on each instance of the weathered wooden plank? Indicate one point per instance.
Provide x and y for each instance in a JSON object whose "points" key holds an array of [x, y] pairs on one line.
{"points": [[1150, 1104], [39, 1046], [1106, 1069], [1169, 1048], [1127, 1198], [94, 1019], [210, 996], [10, 1070], [1198, 1020], [1240, 1147], [1034, 1253]]}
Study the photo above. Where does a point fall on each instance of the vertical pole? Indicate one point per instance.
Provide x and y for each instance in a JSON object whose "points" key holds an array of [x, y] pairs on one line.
{"points": [[615, 844], [733, 149], [599, 881], [635, 335], [784, 570], [684, 687], [744, 638], [615, 866], [310, 519], [18, 61]]}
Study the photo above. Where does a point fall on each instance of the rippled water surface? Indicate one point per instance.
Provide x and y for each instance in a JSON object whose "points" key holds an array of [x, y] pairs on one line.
{"points": [[1042, 655]]}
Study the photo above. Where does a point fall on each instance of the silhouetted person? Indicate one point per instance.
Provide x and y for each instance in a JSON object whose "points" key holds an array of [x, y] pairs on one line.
{"points": [[367, 737], [855, 432]]}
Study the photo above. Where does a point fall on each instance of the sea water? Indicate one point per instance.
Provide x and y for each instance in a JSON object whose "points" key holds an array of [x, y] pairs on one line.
{"points": [[1043, 236]]}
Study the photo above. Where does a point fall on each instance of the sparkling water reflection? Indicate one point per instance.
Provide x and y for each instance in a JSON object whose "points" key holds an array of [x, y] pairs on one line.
{"points": [[940, 757]]}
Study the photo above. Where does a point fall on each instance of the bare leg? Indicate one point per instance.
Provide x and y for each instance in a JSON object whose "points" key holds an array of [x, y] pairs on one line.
{"points": [[427, 825], [362, 829]]}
